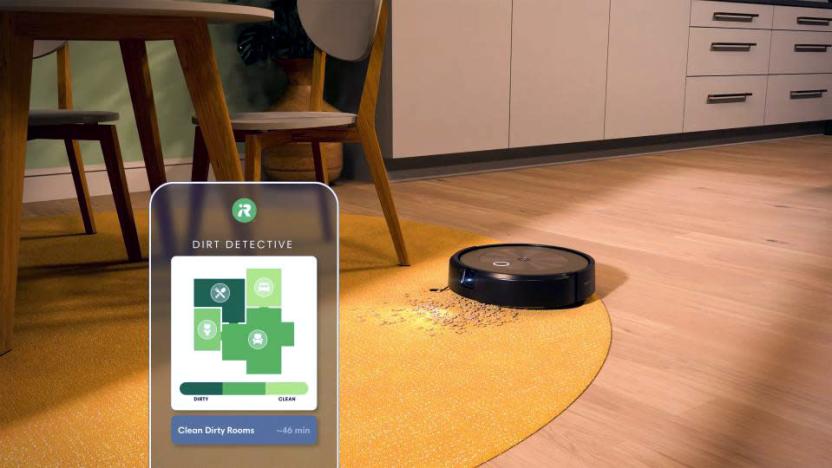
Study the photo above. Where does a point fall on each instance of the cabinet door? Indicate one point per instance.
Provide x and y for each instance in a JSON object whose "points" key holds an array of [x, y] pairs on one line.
{"points": [[647, 65], [451, 75], [558, 71]]}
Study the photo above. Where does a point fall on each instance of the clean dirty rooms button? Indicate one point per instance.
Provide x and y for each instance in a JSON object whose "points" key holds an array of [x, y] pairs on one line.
{"points": [[244, 430]]}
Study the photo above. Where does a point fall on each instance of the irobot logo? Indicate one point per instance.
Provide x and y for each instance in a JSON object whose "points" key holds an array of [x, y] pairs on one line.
{"points": [[244, 210]]}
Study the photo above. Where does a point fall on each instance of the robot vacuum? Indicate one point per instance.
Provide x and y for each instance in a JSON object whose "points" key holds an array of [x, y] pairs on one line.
{"points": [[525, 276]]}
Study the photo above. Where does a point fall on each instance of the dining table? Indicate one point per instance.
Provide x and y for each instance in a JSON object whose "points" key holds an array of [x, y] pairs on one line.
{"points": [[131, 23]]}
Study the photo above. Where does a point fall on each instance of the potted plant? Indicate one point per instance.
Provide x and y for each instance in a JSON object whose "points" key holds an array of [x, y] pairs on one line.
{"points": [[284, 42]]}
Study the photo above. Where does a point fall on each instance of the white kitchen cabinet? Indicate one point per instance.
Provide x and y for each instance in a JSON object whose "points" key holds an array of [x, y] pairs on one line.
{"points": [[475, 75], [558, 71], [451, 76], [646, 67]]}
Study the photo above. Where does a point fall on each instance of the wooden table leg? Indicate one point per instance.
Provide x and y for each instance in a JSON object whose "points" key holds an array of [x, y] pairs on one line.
{"points": [[202, 76], [15, 82], [134, 56]]}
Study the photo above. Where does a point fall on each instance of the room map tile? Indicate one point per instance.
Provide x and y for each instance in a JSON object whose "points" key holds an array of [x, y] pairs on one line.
{"points": [[243, 333]]}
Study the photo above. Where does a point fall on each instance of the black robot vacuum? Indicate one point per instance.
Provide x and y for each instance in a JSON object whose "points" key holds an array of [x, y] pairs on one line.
{"points": [[525, 276]]}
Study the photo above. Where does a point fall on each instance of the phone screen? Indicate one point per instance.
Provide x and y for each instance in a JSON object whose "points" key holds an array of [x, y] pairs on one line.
{"points": [[244, 325]]}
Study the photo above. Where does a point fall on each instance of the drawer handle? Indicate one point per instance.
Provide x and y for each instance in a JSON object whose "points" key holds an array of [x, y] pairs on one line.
{"points": [[728, 98], [813, 21], [811, 47], [735, 17], [808, 94], [732, 46]]}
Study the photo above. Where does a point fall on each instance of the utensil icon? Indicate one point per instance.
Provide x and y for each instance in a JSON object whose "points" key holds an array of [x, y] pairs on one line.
{"points": [[220, 293]]}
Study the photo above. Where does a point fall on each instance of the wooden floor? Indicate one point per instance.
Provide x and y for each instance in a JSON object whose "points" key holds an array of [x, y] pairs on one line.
{"points": [[716, 267]]}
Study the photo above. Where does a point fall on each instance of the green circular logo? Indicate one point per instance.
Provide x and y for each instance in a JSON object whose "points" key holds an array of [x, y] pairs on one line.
{"points": [[244, 210]]}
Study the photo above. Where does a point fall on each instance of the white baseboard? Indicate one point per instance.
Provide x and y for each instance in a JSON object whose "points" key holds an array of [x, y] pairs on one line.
{"points": [[56, 183]]}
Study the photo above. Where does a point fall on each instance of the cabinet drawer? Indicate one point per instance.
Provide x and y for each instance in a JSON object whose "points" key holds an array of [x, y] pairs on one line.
{"points": [[801, 52], [798, 98], [713, 103], [728, 51], [802, 19], [731, 15]]}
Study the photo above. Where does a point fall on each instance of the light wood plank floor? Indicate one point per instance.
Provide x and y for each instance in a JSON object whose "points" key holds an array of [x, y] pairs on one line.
{"points": [[716, 267]]}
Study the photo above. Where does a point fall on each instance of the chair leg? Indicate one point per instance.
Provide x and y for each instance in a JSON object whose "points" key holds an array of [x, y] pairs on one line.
{"points": [[76, 165], [322, 176], [200, 163], [118, 182], [375, 161], [254, 155], [321, 173]]}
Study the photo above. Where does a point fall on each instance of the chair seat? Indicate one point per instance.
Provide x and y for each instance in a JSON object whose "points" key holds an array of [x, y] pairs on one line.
{"points": [[69, 117], [265, 121]]}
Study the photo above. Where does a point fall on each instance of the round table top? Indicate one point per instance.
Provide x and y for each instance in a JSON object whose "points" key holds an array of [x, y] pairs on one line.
{"points": [[212, 12]]}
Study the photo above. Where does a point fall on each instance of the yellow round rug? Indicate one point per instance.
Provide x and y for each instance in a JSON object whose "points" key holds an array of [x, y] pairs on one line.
{"points": [[426, 378]]}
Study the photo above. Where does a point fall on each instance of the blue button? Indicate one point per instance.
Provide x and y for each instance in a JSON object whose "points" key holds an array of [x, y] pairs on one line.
{"points": [[244, 430]]}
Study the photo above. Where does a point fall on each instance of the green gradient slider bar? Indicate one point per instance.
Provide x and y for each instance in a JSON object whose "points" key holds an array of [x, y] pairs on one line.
{"points": [[244, 388]]}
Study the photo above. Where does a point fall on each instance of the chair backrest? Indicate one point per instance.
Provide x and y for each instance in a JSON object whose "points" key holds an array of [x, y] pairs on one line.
{"points": [[46, 47], [341, 28]]}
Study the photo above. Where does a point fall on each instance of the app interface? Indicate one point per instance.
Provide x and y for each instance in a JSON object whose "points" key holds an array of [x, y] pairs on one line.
{"points": [[244, 324]]}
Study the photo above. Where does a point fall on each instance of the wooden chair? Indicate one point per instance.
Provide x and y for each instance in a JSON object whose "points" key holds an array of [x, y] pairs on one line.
{"points": [[71, 126], [348, 31]]}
